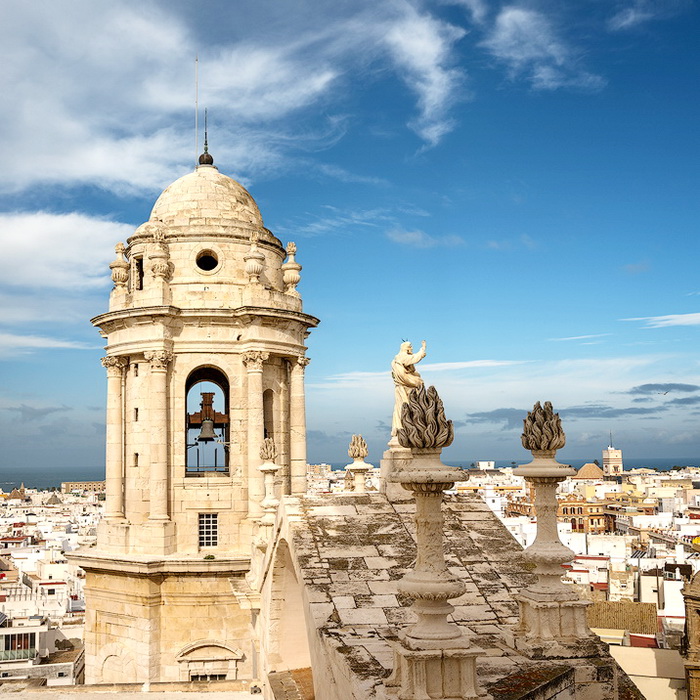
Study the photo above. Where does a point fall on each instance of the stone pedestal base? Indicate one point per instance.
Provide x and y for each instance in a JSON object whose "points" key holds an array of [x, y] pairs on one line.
{"points": [[161, 537], [394, 459], [552, 629], [113, 535], [435, 673]]}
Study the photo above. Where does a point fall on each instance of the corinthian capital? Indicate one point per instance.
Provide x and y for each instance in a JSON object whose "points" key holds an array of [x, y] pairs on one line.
{"points": [[303, 361], [158, 359], [254, 359], [114, 365]]}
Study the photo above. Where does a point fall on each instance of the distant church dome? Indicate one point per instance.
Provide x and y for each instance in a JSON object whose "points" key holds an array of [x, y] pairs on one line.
{"points": [[206, 197]]}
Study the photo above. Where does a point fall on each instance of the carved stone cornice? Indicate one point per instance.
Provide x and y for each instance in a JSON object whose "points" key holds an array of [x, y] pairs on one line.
{"points": [[254, 359], [158, 359], [114, 365]]}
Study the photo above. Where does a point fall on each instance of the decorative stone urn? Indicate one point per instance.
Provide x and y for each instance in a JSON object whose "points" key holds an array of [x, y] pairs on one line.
{"points": [[291, 270]]}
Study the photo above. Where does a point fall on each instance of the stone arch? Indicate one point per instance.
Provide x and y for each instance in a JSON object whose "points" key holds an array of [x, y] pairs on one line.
{"points": [[288, 643], [209, 455], [117, 665], [269, 414], [207, 660]]}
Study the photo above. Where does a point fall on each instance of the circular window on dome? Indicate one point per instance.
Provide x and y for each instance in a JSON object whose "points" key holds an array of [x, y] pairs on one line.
{"points": [[207, 260]]}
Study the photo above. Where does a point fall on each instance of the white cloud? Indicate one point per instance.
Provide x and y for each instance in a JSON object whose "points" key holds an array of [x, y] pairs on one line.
{"points": [[12, 344], [478, 9], [582, 337], [115, 108], [639, 12], [670, 320], [421, 239], [58, 251], [526, 41], [421, 47], [469, 364]]}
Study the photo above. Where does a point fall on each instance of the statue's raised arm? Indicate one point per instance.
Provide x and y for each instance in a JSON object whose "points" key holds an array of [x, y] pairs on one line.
{"points": [[405, 378]]}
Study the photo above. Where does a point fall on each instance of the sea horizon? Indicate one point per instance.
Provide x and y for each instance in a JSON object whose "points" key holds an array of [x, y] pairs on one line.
{"points": [[52, 477]]}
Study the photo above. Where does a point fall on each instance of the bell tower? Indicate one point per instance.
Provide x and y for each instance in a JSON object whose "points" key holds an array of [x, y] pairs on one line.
{"points": [[205, 358]]}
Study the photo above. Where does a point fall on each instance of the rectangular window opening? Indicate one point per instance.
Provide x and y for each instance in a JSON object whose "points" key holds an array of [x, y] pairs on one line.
{"points": [[136, 414], [208, 529]]}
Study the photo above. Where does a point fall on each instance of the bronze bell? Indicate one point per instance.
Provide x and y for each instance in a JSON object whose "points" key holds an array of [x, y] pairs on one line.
{"points": [[207, 434]]}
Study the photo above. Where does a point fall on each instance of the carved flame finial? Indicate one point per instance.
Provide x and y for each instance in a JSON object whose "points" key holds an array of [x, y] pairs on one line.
{"points": [[358, 447], [268, 451], [423, 421], [542, 431]]}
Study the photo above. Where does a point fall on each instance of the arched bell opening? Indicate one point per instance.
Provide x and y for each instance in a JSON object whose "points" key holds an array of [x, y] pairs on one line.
{"points": [[207, 423], [268, 413]]}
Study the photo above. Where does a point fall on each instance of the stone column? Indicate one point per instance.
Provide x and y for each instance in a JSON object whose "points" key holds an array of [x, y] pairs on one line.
{"points": [[297, 425], [254, 361], [114, 461], [160, 430], [434, 658], [552, 617]]}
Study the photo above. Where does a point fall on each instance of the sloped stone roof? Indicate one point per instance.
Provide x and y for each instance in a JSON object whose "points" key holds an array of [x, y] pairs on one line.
{"points": [[353, 549]]}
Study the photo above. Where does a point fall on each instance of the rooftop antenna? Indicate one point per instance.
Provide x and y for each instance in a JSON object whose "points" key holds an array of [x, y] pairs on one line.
{"points": [[611, 442], [196, 108], [206, 132]]}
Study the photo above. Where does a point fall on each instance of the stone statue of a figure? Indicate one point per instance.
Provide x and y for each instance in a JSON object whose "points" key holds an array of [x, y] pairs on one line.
{"points": [[405, 378]]}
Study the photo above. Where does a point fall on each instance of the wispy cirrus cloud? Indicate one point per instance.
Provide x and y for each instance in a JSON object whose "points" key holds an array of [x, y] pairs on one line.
{"points": [[420, 239], [13, 344], [421, 47], [528, 43], [692, 319], [581, 337]]}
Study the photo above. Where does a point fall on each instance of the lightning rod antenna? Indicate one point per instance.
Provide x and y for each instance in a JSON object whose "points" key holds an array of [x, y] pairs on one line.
{"points": [[196, 108], [206, 132]]}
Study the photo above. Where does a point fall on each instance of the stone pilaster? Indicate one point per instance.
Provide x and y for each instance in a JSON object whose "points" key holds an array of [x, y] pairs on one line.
{"points": [[158, 399], [114, 459], [254, 361], [297, 425]]}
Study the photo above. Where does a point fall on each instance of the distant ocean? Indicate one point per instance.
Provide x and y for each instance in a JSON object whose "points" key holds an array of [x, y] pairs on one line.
{"points": [[47, 478]]}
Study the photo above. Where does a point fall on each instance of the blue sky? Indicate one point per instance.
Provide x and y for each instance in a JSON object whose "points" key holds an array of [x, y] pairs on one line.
{"points": [[514, 182]]}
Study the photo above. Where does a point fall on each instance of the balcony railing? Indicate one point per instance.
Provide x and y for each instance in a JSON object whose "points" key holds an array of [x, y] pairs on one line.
{"points": [[17, 654]]}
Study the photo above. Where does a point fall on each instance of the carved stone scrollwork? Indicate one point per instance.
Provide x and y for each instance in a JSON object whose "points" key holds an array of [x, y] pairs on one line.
{"points": [[119, 267], [114, 365], [158, 359], [303, 361], [254, 359]]}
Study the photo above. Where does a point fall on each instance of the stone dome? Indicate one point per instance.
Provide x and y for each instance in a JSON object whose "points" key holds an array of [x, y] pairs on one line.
{"points": [[589, 471], [206, 196]]}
